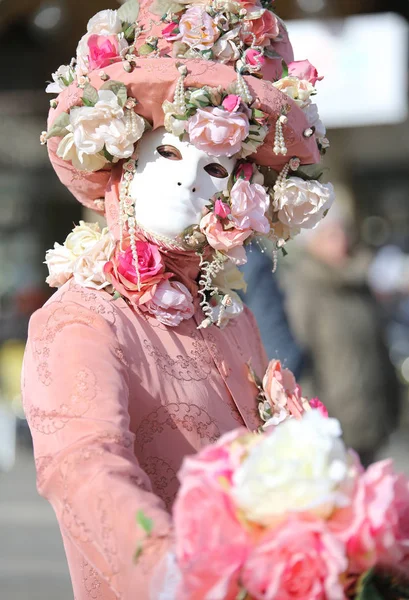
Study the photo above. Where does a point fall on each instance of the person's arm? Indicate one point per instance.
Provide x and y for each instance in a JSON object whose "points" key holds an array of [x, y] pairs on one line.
{"points": [[75, 388]]}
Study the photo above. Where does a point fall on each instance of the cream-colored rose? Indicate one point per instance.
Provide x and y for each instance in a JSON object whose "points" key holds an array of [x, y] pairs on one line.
{"points": [[230, 278], [301, 466], [302, 204], [225, 49], [89, 267], [60, 262], [256, 137], [94, 128], [300, 90], [106, 22], [198, 29], [83, 237], [67, 150]]}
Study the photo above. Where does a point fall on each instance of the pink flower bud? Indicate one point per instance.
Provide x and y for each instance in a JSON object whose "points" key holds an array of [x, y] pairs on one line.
{"points": [[231, 103], [222, 209], [244, 171], [254, 57], [318, 405]]}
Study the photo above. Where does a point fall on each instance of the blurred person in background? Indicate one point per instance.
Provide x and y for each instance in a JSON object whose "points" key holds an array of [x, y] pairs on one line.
{"points": [[336, 320], [266, 300]]}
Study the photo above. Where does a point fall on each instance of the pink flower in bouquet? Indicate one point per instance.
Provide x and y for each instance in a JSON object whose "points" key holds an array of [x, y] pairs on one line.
{"points": [[254, 57], [303, 69], [198, 30], [282, 390], [221, 209], [298, 560], [231, 103], [316, 404], [171, 32], [265, 29], [121, 273], [103, 50], [249, 203], [217, 131], [171, 303], [375, 526], [211, 543], [244, 171], [219, 238]]}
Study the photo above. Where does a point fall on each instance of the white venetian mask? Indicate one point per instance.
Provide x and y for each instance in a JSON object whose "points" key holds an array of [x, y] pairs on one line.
{"points": [[173, 182]]}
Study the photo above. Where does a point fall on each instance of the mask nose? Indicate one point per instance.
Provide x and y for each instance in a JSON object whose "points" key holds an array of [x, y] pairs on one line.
{"points": [[193, 189]]}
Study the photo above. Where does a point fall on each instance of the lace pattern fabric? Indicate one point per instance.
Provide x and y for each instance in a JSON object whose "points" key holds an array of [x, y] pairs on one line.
{"points": [[114, 405]]}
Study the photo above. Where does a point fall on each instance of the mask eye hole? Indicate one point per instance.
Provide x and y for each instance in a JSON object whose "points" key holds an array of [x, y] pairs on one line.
{"points": [[216, 170], [169, 152]]}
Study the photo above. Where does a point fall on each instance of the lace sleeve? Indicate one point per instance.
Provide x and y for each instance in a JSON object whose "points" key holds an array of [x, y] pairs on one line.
{"points": [[76, 400]]}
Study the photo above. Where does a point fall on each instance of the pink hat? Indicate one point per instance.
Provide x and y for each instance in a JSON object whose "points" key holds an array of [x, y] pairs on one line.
{"points": [[239, 46]]}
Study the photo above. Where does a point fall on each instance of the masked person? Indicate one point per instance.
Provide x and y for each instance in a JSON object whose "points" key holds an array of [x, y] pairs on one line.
{"points": [[141, 357]]}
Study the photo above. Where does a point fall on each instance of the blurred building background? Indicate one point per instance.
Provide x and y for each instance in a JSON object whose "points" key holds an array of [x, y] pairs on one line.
{"points": [[361, 46]]}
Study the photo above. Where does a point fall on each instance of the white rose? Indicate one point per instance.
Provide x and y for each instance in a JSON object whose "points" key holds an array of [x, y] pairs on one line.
{"points": [[89, 267], [301, 466], [311, 112], [225, 49], [302, 204], [67, 150], [105, 125], [300, 90], [173, 125], [60, 262], [82, 238], [61, 79], [230, 278], [106, 22]]}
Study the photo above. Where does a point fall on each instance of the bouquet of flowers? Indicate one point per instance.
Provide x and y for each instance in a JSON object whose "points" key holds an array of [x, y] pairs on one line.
{"points": [[290, 513]]}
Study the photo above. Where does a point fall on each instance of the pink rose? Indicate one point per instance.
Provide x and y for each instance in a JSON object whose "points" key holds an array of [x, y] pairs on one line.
{"points": [[221, 209], [249, 203], [211, 543], [220, 239], [121, 272], [103, 50], [171, 303], [231, 103], [254, 57], [282, 390], [197, 28], [171, 32], [298, 560], [375, 526], [244, 171], [316, 404], [265, 28], [217, 131], [303, 69]]}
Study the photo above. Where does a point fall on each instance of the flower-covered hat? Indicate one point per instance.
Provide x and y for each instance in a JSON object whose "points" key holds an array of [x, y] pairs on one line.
{"points": [[218, 72]]}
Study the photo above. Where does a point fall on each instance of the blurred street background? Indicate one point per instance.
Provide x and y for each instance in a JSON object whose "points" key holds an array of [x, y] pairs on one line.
{"points": [[337, 310]]}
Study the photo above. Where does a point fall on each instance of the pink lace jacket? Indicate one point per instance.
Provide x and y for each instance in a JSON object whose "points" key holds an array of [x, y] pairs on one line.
{"points": [[115, 400]]}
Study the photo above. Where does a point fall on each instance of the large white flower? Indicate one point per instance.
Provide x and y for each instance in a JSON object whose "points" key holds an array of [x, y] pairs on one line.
{"points": [[301, 466], [311, 112], [302, 204], [89, 267], [106, 22], [61, 79], [300, 90], [225, 49], [67, 150], [82, 256], [95, 128]]}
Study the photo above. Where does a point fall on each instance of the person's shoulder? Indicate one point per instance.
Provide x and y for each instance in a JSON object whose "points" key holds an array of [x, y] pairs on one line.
{"points": [[75, 304]]}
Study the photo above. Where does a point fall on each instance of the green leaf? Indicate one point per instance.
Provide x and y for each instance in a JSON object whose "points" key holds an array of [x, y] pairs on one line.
{"points": [[138, 553], [90, 95], [285, 70], [284, 251], [366, 587], [129, 33], [116, 296], [59, 127], [119, 89], [163, 7], [145, 49], [145, 522], [129, 11], [107, 155]]}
